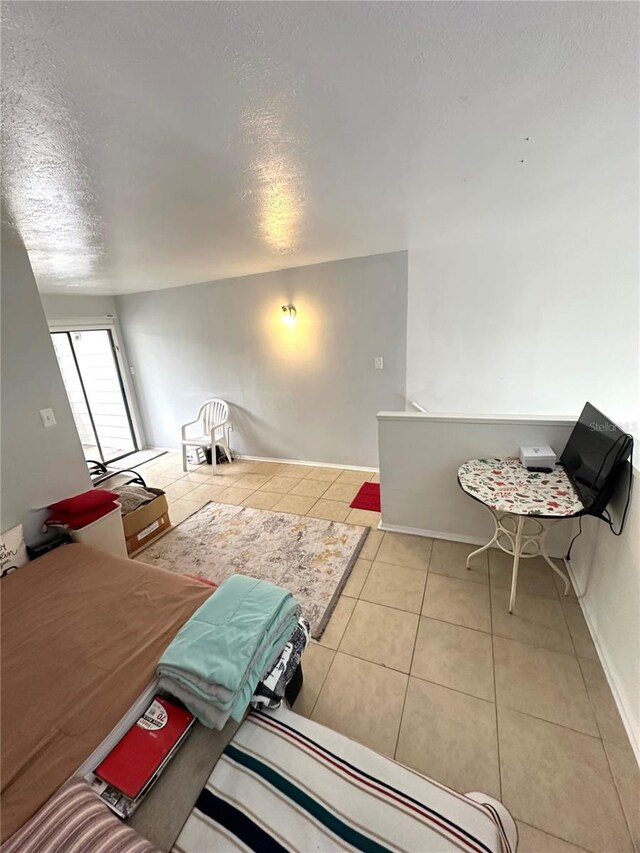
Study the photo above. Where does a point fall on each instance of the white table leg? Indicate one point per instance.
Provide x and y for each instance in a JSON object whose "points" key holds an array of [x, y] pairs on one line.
{"points": [[489, 543], [516, 562]]}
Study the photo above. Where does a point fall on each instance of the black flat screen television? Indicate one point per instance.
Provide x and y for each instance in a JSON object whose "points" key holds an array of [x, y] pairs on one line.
{"points": [[594, 458]]}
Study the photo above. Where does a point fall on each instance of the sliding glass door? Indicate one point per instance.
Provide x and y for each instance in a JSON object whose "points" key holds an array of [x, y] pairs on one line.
{"points": [[93, 380]]}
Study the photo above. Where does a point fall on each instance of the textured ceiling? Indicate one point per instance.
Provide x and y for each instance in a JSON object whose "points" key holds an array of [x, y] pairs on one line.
{"points": [[154, 144]]}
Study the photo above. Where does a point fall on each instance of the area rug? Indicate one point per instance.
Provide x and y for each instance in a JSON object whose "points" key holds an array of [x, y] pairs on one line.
{"points": [[310, 557], [368, 497]]}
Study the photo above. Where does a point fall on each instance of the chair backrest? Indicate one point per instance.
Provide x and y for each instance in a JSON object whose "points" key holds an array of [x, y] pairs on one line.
{"points": [[212, 413]]}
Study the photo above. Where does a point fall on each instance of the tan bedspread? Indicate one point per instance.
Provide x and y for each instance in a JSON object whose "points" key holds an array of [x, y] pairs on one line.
{"points": [[81, 634]]}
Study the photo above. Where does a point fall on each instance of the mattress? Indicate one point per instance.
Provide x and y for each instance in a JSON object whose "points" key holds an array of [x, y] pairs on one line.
{"points": [[288, 783], [81, 634]]}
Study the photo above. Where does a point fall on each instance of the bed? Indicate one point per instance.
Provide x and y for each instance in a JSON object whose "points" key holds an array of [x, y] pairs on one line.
{"points": [[81, 634]]}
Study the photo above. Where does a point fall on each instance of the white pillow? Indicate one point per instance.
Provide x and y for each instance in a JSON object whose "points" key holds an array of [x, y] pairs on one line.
{"points": [[13, 552]]}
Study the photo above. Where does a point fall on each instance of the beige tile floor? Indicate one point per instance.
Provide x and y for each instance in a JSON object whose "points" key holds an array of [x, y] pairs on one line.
{"points": [[422, 662], [302, 489]]}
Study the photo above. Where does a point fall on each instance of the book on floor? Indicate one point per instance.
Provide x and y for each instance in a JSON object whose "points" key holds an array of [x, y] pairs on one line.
{"points": [[133, 765]]}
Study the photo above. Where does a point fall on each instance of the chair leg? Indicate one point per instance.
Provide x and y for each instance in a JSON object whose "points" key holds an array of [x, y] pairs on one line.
{"points": [[225, 447], [214, 461], [184, 457]]}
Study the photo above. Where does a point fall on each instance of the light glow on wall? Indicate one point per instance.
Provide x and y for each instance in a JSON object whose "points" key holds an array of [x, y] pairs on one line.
{"points": [[292, 332]]}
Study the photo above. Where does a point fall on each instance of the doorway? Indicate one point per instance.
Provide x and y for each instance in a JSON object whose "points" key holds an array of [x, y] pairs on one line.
{"points": [[93, 379]]}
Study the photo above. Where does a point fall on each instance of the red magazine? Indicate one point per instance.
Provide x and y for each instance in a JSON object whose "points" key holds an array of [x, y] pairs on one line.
{"points": [[134, 760]]}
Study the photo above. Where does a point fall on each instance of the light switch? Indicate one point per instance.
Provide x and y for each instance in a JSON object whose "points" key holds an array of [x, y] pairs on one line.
{"points": [[378, 362], [48, 418]]}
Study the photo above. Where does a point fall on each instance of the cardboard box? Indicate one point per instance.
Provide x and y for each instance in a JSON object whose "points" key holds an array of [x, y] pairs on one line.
{"points": [[146, 523]]}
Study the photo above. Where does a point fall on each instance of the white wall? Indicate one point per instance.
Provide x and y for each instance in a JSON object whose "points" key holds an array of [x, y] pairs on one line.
{"points": [[606, 572], [307, 392], [39, 466], [60, 307], [524, 256], [531, 318]]}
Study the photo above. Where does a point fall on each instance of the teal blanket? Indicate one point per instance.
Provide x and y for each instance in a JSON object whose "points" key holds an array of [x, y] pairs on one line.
{"points": [[217, 659]]}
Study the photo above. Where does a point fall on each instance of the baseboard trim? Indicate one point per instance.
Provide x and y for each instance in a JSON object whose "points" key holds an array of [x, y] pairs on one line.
{"points": [[289, 461], [627, 720], [433, 534], [438, 534], [307, 463]]}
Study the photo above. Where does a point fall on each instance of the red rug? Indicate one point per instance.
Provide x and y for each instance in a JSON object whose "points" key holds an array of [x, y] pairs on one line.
{"points": [[368, 497]]}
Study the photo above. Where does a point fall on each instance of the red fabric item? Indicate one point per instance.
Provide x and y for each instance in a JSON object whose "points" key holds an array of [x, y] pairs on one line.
{"points": [[85, 502], [368, 497], [81, 519]]}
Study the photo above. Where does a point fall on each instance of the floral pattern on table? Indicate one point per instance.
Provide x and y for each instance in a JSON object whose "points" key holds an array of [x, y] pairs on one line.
{"points": [[505, 485]]}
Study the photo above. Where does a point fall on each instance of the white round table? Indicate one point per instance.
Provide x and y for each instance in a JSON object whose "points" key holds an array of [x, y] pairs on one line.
{"points": [[517, 500]]}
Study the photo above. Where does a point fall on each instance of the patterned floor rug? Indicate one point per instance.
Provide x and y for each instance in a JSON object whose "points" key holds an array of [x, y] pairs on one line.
{"points": [[308, 556]]}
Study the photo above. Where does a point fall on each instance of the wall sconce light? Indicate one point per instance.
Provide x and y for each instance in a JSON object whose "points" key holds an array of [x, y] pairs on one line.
{"points": [[289, 315]]}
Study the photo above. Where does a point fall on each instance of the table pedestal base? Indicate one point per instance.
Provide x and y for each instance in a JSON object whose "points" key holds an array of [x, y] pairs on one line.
{"points": [[521, 537]]}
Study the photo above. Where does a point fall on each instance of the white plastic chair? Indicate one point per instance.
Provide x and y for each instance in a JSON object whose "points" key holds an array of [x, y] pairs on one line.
{"points": [[212, 419]]}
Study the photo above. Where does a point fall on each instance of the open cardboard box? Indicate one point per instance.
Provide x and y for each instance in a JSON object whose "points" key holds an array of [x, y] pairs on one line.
{"points": [[146, 523]]}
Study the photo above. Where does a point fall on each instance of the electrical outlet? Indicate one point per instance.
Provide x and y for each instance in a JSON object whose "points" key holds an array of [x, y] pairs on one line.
{"points": [[132, 370], [48, 418], [378, 362]]}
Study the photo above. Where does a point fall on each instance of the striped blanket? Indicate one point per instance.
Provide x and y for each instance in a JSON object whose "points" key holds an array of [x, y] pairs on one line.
{"points": [[286, 783], [76, 820]]}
